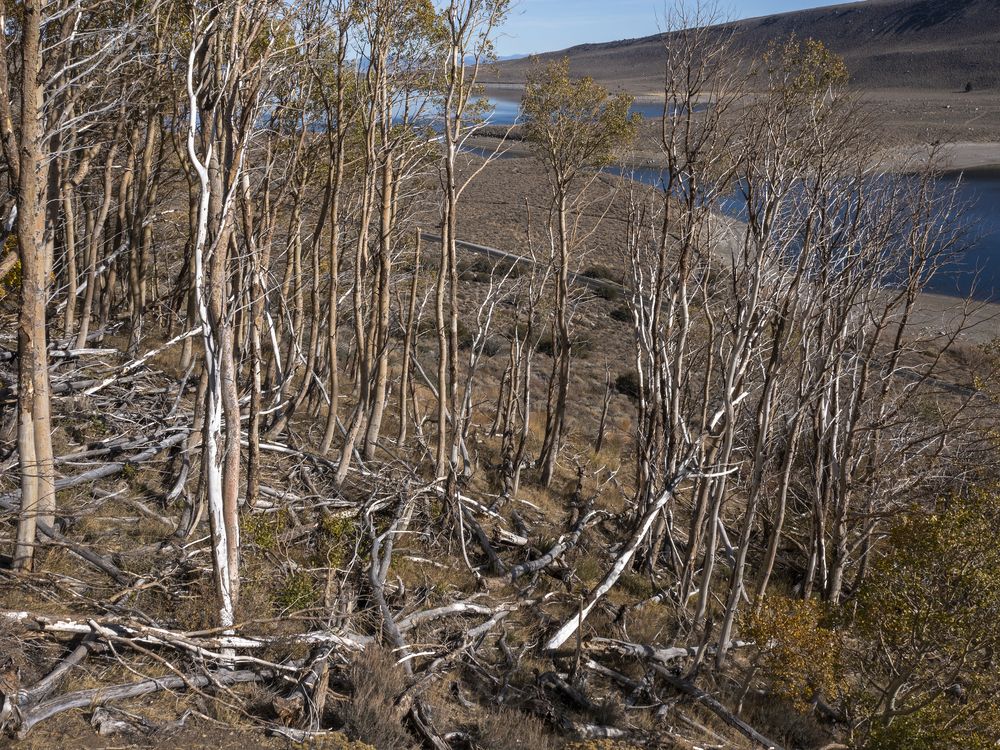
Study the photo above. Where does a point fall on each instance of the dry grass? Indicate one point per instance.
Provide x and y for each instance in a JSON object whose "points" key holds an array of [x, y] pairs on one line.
{"points": [[510, 729], [370, 714]]}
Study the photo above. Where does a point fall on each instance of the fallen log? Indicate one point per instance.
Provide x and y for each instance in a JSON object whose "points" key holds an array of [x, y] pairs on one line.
{"points": [[60, 354], [138, 362], [184, 645], [562, 545], [98, 561], [420, 716], [157, 636], [462, 607], [508, 537], [597, 731], [150, 635], [45, 686], [305, 702], [706, 700], [8, 501], [65, 387], [639, 650], [437, 668], [103, 696], [621, 562], [573, 695], [666, 656], [496, 566], [378, 569]]}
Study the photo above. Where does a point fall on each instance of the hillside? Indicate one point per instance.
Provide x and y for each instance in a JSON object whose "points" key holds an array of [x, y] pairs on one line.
{"points": [[329, 419], [887, 44]]}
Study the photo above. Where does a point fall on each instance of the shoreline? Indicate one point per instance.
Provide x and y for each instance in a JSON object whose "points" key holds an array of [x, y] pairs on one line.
{"points": [[952, 156], [959, 156], [936, 311]]}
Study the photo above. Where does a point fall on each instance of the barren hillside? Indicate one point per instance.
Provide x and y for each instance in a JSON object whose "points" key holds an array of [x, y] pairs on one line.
{"points": [[887, 44]]}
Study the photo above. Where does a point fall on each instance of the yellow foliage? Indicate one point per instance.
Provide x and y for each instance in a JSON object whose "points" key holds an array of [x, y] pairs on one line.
{"points": [[804, 70], [799, 656], [927, 625], [574, 124], [261, 529], [337, 539]]}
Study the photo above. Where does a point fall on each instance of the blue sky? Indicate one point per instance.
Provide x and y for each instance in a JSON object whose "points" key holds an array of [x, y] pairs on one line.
{"points": [[546, 25]]}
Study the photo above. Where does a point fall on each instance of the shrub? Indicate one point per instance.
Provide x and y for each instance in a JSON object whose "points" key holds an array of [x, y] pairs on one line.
{"points": [[466, 336], [601, 274], [797, 653], [510, 729], [492, 346], [628, 384], [622, 314], [261, 529], [332, 741], [581, 347], [607, 292], [336, 538], [482, 269], [927, 625], [923, 730], [370, 715], [546, 345], [298, 592]]}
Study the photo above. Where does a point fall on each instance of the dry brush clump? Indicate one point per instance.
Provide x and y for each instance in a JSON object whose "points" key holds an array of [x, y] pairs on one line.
{"points": [[370, 715]]}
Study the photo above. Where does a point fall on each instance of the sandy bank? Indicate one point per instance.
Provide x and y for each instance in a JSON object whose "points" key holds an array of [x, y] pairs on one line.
{"points": [[952, 156]]}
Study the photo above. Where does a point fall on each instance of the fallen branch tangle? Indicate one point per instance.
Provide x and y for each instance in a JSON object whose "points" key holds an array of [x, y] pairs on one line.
{"points": [[431, 641], [27, 706], [29, 716], [453, 635]]}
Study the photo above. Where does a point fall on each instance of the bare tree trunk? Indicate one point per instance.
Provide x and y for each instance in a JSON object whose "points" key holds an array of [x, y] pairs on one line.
{"points": [[404, 378], [69, 243], [442, 324], [337, 146], [382, 297], [94, 239], [561, 351], [34, 424]]}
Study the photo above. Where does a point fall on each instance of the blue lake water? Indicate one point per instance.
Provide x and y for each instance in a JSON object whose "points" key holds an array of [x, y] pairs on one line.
{"points": [[979, 191], [506, 108], [976, 272]]}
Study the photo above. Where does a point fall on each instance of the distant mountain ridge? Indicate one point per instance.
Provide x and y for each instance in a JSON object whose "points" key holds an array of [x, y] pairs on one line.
{"points": [[887, 44]]}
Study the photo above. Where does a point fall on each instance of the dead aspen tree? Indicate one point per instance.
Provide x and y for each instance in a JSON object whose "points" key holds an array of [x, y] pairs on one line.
{"points": [[396, 39], [408, 343], [339, 111], [223, 109], [467, 27], [34, 433], [575, 127]]}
